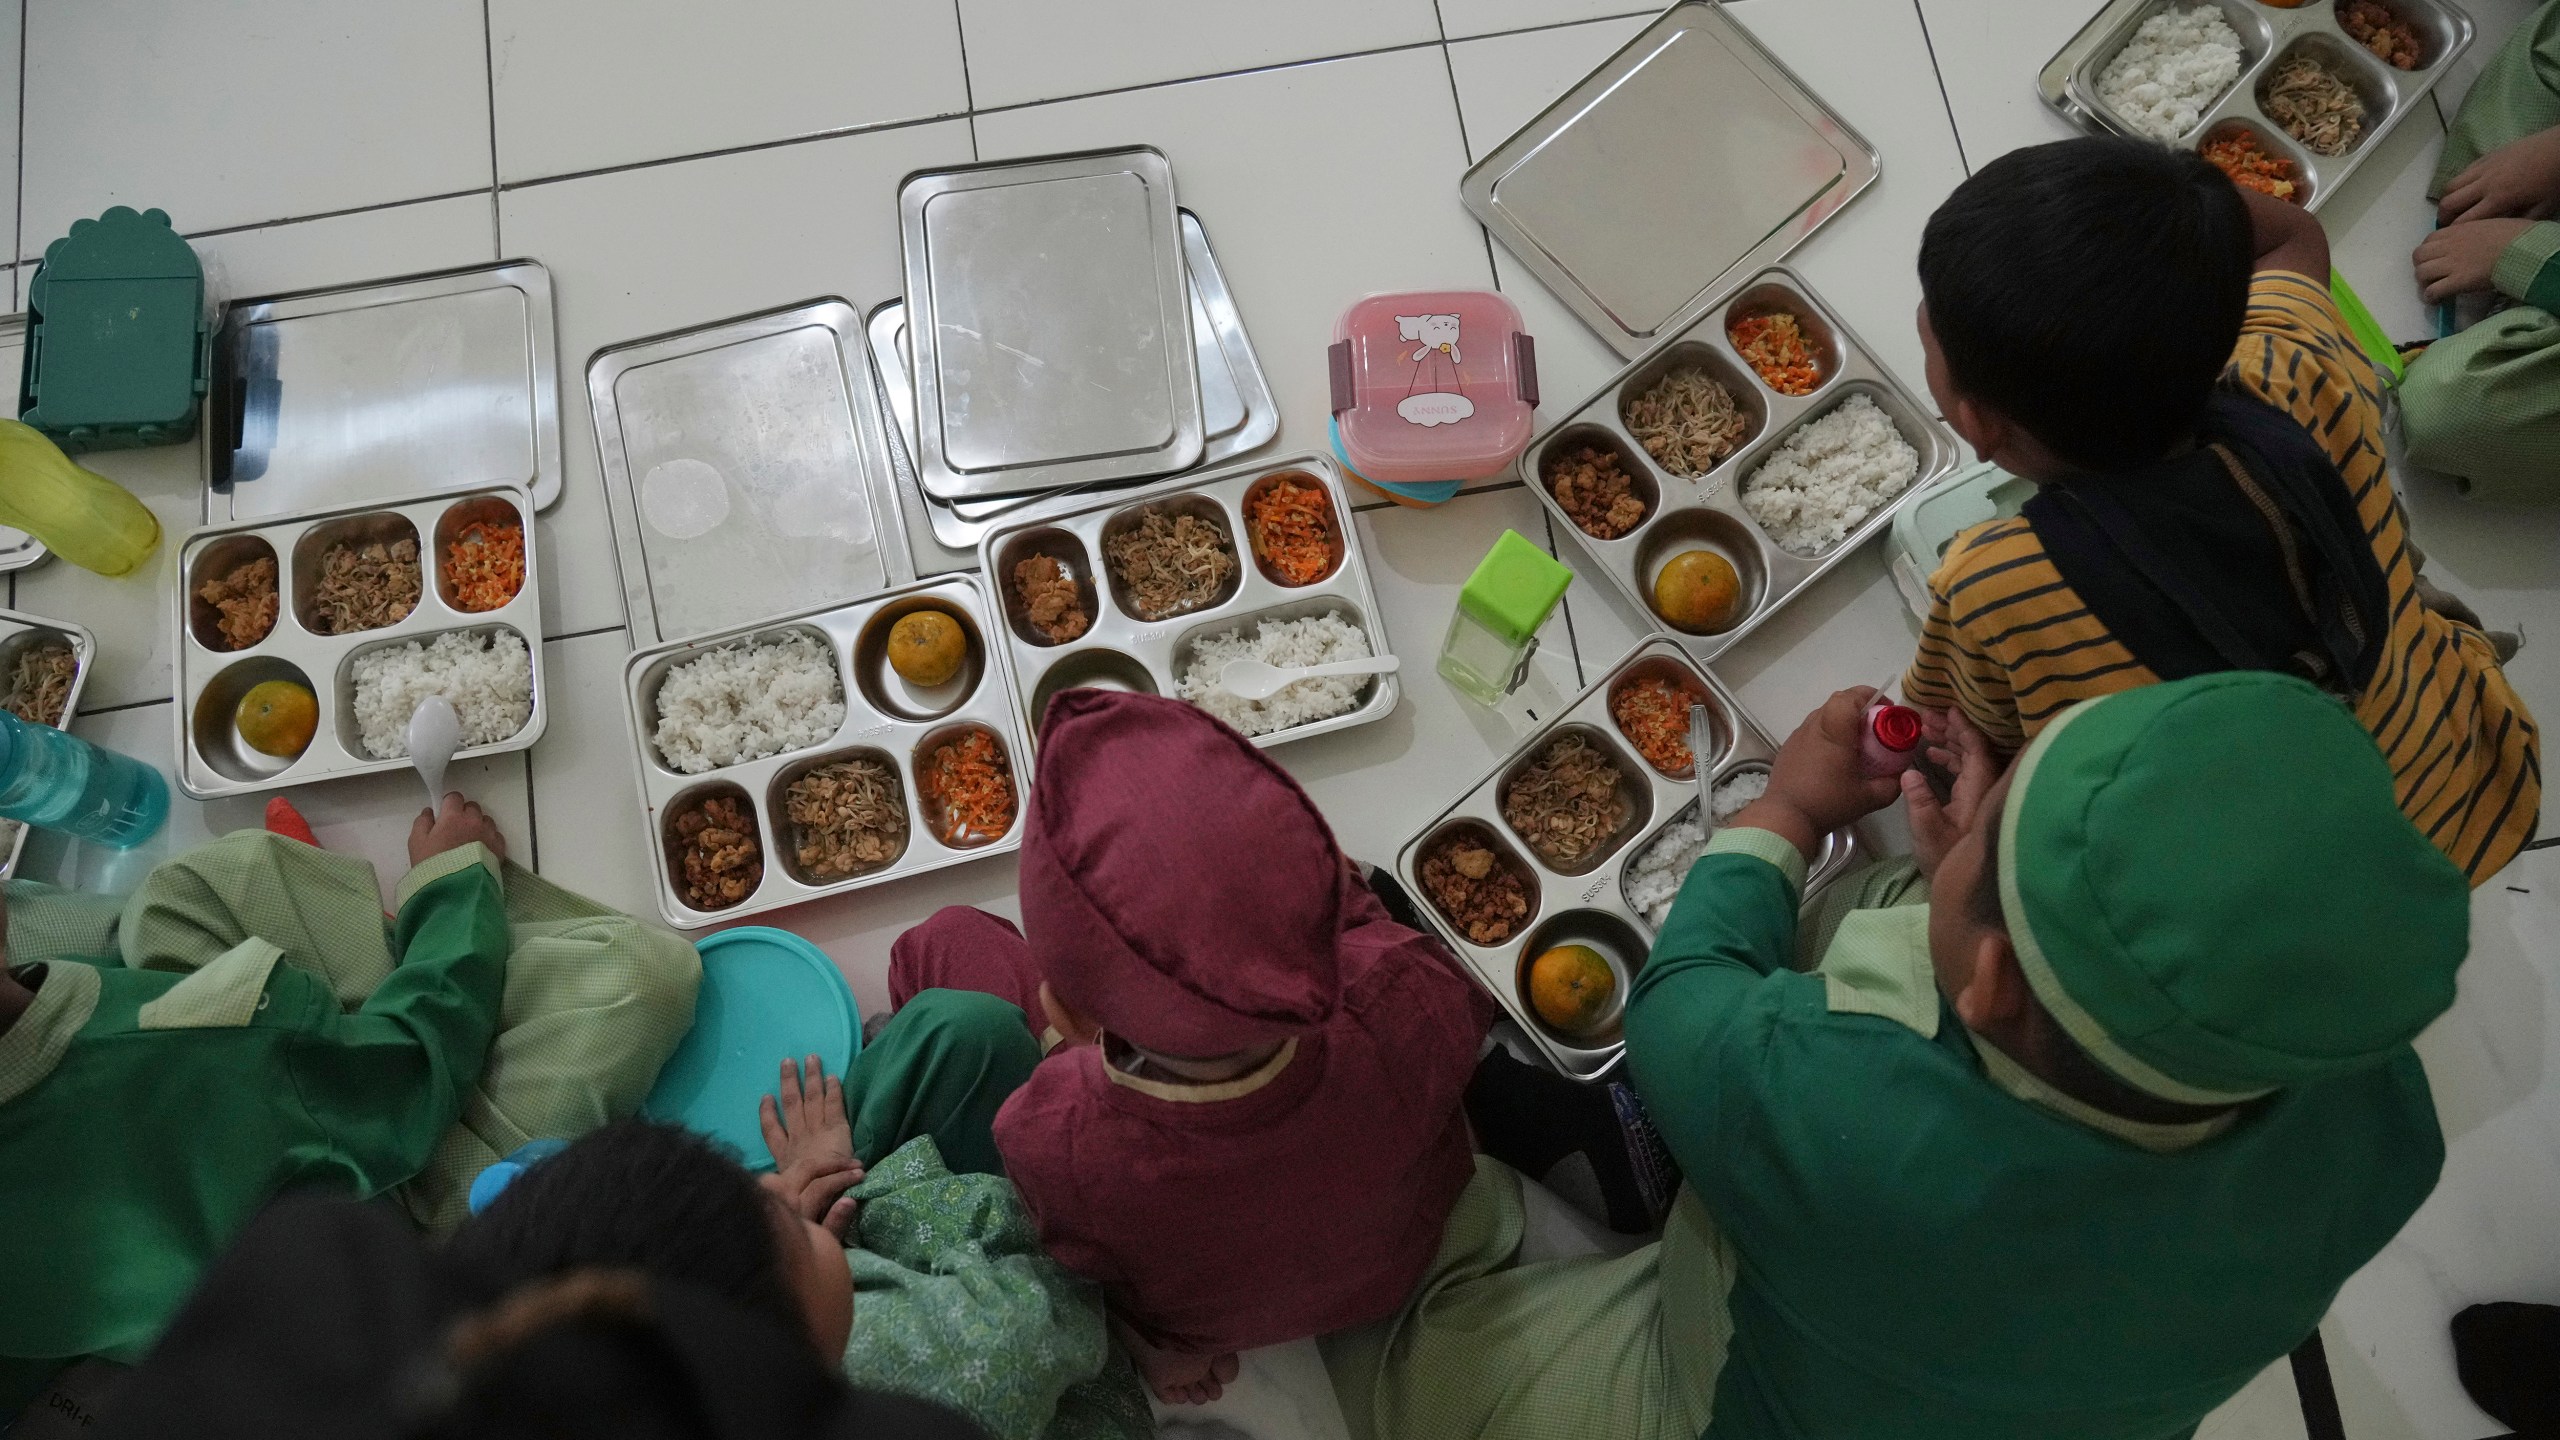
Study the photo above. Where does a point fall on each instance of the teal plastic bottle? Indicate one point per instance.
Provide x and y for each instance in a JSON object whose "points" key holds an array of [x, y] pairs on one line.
{"points": [[55, 780]]}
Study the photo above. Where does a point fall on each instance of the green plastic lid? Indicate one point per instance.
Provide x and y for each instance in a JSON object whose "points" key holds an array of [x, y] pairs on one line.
{"points": [[1516, 588], [117, 343], [766, 995]]}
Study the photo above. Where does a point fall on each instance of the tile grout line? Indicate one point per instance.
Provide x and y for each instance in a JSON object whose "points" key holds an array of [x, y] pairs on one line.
{"points": [[501, 187], [489, 81], [1572, 636], [1945, 102], [18, 234], [968, 87]]}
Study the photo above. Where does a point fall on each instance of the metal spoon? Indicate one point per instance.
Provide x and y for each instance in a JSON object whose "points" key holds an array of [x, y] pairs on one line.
{"points": [[1260, 680], [1699, 736], [435, 732]]}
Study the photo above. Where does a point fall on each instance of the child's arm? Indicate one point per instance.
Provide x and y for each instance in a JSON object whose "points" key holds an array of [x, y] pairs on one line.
{"points": [[2284, 236], [1719, 977], [385, 1081]]}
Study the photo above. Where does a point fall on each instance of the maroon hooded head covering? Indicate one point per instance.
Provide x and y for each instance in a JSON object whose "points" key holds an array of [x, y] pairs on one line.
{"points": [[1177, 887]]}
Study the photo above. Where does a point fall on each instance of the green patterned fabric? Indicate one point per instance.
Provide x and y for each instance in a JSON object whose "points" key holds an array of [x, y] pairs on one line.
{"points": [[2484, 406], [954, 1302]]}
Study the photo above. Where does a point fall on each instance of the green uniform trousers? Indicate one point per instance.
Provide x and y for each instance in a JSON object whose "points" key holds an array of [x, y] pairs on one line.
{"points": [[595, 1000], [2484, 405]]}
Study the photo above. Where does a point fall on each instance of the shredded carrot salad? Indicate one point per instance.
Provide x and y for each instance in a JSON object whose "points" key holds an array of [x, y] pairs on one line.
{"points": [[484, 566], [2250, 167], [1775, 345], [1292, 528], [968, 783]]}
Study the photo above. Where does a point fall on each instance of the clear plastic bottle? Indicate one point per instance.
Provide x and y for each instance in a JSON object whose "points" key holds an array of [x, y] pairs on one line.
{"points": [[55, 780]]}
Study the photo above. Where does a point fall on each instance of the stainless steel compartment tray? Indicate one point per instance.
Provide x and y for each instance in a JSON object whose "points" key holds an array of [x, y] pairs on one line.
{"points": [[2069, 82], [1690, 157], [746, 469], [869, 724], [18, 631], [211, 762], [1051, 331], [1707, 512], [368, 393], [1120, 651], [1598, 894]]}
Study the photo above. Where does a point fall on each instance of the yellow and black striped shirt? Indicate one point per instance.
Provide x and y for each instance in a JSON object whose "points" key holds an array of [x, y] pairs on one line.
{"points": [[2012, 643]]}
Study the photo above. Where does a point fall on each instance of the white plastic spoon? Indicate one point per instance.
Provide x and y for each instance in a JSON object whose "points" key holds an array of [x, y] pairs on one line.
{"points": [[1260, 679], [435, 732]]}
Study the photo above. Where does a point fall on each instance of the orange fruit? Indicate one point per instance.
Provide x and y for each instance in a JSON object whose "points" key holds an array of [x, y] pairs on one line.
{"points": [[926, 648], [1698, 591], [277, 717], [1570, 987]]}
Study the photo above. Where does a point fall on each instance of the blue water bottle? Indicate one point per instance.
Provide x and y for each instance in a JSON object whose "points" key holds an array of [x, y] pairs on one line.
{"points": [[55, 780]]}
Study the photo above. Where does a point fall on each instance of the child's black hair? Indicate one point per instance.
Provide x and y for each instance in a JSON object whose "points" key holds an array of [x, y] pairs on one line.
{"points": [[2090, 291], [640, 1196]]}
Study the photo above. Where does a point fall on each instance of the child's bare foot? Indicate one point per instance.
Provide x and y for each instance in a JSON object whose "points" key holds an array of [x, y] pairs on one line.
{"points": [[1178, 1377]]}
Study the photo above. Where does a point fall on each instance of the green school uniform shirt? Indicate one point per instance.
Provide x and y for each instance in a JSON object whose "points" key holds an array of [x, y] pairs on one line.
{"points": [[145, 1116], [1930, 1243]]}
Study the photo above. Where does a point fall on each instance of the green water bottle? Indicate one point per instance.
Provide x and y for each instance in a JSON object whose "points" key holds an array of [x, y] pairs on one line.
{"points": [[79, 514]]}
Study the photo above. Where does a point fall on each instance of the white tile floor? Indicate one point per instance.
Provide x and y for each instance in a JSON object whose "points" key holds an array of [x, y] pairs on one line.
{"points": [[672, 168]]}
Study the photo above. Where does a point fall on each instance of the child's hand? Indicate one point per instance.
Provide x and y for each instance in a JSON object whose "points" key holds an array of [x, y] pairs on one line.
{"points": [[1818, 783], [2519, 178], [454, 824], [812, 1144], [2458, 259], [1935, 827]]}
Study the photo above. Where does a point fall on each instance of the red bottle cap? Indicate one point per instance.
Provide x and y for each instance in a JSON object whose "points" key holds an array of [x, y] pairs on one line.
{"points": [[1897, 727]]}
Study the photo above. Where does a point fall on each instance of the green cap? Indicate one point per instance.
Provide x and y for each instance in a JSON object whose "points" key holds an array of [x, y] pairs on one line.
{"points": [[2211, 886], [1516, 588]]}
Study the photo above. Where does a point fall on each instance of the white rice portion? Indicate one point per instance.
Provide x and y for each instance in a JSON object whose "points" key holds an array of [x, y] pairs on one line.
{"points": [[1655, 876], [746, 701], [2177, 64], [488, 678], [1316, 640], [1828, 475]]}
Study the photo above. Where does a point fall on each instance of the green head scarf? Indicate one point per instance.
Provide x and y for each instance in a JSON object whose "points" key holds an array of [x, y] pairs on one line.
{"points": [[2210, 884]]}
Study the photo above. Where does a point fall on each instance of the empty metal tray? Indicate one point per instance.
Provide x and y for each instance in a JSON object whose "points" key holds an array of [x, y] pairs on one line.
{"points": [[1688, 160], [389, 389], [1049, 323], [745, 468]]}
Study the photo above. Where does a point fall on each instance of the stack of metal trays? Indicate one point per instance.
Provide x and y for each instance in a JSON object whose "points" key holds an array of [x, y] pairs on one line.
{"points": [[2270, 37], [1705, 512], [1587, 901], [366, 393], [746, 471], [1122, 647], [893, 725], [214, 759], [1049, 326], [24, 639], [1689, 159], [1237, 411]]}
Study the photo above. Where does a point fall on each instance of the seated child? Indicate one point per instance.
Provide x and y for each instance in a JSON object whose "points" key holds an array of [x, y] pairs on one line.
{"points": [[917, 1281], [248, 1023], [2157, 349], [2484, 406], [1251, 1128], [2053, 1141]]}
